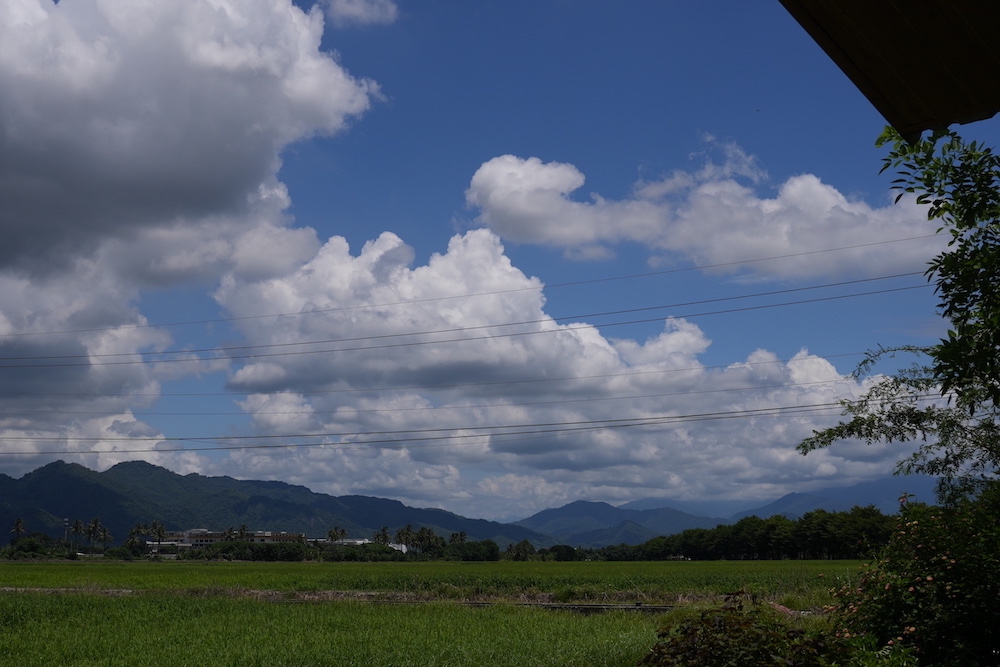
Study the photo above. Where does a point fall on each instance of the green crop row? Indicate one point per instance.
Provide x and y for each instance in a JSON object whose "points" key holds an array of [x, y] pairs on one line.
{"points": [[168, 629], [567, 581]]}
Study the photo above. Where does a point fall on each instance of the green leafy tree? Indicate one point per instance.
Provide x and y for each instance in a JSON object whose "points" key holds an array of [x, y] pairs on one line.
{"points": [[947, 399], [426, 541], [936, 585], [523, 550]]}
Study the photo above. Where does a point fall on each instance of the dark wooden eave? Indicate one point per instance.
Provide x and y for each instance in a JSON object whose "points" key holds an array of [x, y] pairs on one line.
{"points": [[923, 64]]}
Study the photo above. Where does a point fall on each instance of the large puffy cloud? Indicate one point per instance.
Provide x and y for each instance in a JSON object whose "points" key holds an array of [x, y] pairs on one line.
{"points": [[712, 216], [72, 347], [448, 384], [122, 116], [139, 147]]}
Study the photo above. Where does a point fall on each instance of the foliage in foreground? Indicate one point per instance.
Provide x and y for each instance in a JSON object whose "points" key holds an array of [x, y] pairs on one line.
{"points": [[950, 404], [936, 587], [740, 633], [191, 629], [748, 634]]}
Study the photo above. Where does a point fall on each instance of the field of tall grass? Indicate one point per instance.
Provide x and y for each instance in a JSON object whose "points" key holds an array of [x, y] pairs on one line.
{"points": [[183, 613]]}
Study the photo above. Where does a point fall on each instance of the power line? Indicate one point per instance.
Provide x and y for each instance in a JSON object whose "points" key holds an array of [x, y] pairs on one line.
{"points": [[410, 436], [426, 387], [576, 283], [220, 350], [442, 408]]}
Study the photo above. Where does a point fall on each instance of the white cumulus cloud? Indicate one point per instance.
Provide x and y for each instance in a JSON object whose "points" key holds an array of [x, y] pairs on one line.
{"points": [[120, 116], [447, 383], [712, 216]]}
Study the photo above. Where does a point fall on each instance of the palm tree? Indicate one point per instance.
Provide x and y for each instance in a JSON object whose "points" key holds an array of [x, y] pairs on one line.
{"points": [[134, 541], [18, 528], [458, 538], [404, 536], [77, 531], [158, 533], [93, 530], [244, 532], [382, 536], [104, 535], [336, 534]]}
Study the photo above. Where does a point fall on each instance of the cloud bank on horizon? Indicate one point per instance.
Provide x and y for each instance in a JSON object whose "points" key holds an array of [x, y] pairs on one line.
{"points": [[141, 158]]}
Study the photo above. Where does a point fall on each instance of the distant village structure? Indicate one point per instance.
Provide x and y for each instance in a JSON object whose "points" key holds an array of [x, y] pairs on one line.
{"points": [[202, 537], [197, 538]]}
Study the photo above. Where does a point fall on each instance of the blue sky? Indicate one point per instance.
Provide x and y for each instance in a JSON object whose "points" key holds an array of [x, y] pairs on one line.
{"points": [[486, 256]]}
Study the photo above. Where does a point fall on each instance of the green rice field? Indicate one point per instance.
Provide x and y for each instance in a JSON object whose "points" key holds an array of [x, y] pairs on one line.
{"points": [[178, 613]]}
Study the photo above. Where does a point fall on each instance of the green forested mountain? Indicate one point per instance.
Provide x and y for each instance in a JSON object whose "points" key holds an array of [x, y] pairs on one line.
{"points": [[590, 524], [137, 491]]}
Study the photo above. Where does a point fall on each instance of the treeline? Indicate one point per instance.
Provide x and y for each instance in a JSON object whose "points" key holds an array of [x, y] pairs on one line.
{"points": [[817, 535]]}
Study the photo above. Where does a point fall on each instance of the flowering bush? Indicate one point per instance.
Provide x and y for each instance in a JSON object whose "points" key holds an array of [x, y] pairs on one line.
{"points": [[935, 587]]}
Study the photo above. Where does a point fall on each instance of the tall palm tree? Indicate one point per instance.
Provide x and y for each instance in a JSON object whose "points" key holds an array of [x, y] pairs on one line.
{"points": [[93, 530], [77, 530], [336, 534], [18, 528], [134, 541], [104, 535], [158, 533], [405, 535]]}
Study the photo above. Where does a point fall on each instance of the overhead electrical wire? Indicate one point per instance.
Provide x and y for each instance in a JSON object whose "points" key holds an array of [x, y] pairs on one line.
{"points": [[548, 286], [228, 355], [449, 436], [438, 408], [423, 437], [411, 435], [456, 385]]}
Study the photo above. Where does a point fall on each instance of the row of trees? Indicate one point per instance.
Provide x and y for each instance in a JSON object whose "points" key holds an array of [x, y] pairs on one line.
{"points": [[816, 535], [93, 531]]}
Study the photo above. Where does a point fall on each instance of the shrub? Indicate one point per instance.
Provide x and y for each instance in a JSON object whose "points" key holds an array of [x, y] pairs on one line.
{"points": [[745, 634], [118, 553], [935, 587]]}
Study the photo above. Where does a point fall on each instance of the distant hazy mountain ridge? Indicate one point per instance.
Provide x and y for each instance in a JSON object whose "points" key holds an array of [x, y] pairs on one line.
{"points": [[138, 492]]}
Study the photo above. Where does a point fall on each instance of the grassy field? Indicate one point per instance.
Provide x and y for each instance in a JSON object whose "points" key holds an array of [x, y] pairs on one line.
{"points": [[145, 613]]}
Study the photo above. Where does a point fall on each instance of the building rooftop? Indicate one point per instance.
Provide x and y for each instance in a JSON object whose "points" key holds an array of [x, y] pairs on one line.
{"points": [[923, 64]]}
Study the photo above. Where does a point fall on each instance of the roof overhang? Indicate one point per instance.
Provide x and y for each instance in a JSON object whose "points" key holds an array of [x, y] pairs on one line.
{"points": [[924, 64]]}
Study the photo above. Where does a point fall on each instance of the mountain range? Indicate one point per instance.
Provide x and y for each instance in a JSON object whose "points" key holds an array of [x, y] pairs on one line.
{"points": [[138, 492]]}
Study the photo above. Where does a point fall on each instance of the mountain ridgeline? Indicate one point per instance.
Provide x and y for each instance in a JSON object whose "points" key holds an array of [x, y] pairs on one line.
{"points": [[139, 492]]}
